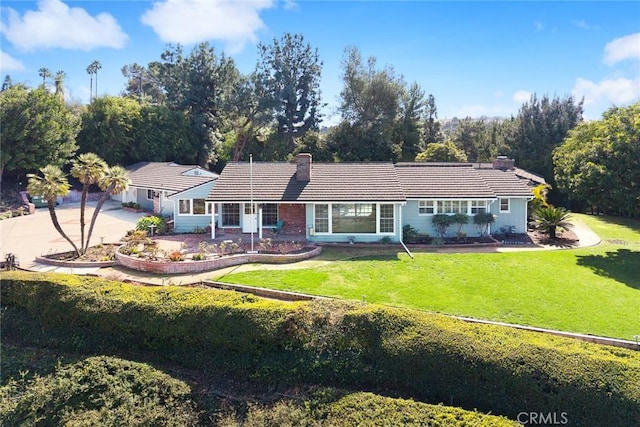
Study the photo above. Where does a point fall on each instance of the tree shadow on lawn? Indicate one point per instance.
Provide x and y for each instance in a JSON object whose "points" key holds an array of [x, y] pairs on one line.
{"points": [[622, 265]]}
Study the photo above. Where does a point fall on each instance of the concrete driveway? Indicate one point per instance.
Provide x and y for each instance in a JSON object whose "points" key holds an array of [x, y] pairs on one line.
{"points": [[34, 235]]}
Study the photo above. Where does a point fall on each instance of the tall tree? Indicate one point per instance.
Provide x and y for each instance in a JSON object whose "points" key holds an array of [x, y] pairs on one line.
{"points": [[469, 136], [59, 84], [541, 126], [92, 70], [144, 83], [290, 70], [432, 127], [7, 83], [45, 73], [37, 129], [250, 113], [598, 164], [89, 169], [370, 106], [200, 86], [52, 184], [409, 129], [108, 128]]}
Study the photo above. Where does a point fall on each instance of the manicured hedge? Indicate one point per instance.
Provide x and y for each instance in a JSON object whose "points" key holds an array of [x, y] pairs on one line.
{"points": [[99, 391], [429, 357]]}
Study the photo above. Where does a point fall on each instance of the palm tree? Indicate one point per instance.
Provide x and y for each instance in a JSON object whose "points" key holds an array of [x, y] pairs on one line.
{"points": [[114, 180], [96, 66], [89, 169], [91, 70], [45, 74], [549, 218], [50, 185]]}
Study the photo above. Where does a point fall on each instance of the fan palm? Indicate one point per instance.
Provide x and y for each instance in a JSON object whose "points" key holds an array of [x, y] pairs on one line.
{"points": [[50, 185], [549, 218], [89, 169], [114, 180], [45, 73]]}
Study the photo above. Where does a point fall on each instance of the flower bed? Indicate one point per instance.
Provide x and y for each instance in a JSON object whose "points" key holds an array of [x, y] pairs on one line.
{"points": [[211, 262], [97, 256]]}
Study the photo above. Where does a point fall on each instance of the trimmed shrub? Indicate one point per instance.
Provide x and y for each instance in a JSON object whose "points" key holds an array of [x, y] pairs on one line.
{"points": [[158, 223], [99, 391], [430, 357]]}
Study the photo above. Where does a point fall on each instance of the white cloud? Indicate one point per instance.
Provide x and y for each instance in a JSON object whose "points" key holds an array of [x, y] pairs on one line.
{"points": [[539, 26], [618, 91], [627, 47], [56, 25], [193, 21], [581, 23], [9, 64], [522, 96], [290, 5]]}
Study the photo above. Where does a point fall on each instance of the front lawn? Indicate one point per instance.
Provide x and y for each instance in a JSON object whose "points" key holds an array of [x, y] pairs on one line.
{"points": [[591, 290]]}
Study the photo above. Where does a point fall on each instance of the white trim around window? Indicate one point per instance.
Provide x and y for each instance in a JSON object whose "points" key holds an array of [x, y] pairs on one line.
{"points": [[505, 205], [426, 207], [195, 207], [325, 214]]}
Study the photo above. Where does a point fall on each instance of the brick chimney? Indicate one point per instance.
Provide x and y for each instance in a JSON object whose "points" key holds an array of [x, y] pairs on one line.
{"points": [[303, 167], [503, 163]]}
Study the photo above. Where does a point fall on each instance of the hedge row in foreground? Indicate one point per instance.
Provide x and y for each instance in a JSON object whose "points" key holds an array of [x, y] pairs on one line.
{"points": [[429, 357], [111, 391]]}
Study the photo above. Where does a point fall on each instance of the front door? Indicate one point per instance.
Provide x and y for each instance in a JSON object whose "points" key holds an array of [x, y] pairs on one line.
{"points": [[249, 219]]}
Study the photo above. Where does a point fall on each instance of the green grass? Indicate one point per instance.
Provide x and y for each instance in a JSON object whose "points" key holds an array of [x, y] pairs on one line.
{"points": [[591, 290]]}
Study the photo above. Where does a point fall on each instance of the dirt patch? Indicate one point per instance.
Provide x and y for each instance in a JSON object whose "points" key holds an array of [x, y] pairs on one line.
{"points": [[564, 238]]}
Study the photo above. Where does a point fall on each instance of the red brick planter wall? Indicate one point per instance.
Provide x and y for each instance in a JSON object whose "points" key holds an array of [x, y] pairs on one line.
{"points": [[168, 267]]}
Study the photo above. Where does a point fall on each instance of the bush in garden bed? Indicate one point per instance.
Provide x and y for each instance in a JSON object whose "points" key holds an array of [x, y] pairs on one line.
{"points": [[426, 356]]}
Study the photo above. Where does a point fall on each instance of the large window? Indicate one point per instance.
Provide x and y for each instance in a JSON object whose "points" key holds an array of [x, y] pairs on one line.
{"points": [[452, 206], [184, 206], [504, 205], [478, 206], [230, 215], [192, 207], [425, 207], [353, 218], [321, 218], [199, 207], [269, 214], [386, 219]]}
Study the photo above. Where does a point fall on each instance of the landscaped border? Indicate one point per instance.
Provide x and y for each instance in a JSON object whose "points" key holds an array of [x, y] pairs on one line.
{"points": [[190, 266]]}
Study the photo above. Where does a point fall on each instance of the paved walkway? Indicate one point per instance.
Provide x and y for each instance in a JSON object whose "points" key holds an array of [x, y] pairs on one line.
{"points": [[34, 235]]}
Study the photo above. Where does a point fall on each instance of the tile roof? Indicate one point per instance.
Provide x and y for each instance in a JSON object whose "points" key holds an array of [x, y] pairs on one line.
{"points": [[505, 182], [442, 181], [523, 174], [276, 182], [165, 176], [520, 173]]}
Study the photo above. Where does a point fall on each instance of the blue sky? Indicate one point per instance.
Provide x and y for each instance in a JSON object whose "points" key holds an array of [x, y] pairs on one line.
{"points": [[476, 58]]}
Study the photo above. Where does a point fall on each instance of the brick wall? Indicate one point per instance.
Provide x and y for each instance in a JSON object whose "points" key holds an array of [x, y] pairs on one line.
{"points": [[294, 217]]}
